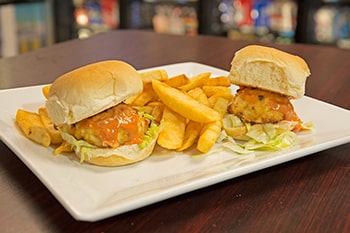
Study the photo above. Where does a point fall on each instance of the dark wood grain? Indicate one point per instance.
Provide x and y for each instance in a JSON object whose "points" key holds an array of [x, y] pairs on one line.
{"points": [[311, 194]]}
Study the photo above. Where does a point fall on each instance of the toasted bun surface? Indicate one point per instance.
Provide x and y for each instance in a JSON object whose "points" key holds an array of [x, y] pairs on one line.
{"points": [[91, 89], [269, 69]]}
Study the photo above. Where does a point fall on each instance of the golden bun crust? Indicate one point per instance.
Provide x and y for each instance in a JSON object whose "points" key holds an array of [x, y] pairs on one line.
{"points": [[91, 89], [269, 69], [120, 156]]}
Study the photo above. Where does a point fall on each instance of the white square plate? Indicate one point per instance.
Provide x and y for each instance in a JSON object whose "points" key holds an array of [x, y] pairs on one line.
{"points": [[91, 193]]}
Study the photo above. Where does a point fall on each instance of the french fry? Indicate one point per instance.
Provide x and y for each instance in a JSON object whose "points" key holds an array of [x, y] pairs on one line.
{"points": [[64, 147], [157, 110], [183, 104], [145, 96], [199, 95], [148, 76], [173, 129], [196, 81], [219, 81], [131, 99], [221, 105], [53, 132], [192, 132], [211, 131], [32, 126], [212, 100], [217, 90], [45, 91], [145, 109], [178, 80]]}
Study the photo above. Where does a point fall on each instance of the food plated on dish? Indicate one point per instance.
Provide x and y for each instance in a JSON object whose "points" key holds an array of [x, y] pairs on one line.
{"points": [[109, 114], [167, 172]]}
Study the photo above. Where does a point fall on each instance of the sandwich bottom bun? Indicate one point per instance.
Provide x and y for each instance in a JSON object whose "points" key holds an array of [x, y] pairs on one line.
{"points": [[120, 156]]}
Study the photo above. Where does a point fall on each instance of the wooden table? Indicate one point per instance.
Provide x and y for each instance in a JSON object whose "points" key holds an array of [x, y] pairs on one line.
{"points": [[311, 194]]}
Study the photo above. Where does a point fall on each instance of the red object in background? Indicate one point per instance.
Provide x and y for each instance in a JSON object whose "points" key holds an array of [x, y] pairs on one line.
{"points": [[243, 9], [110, 13]]}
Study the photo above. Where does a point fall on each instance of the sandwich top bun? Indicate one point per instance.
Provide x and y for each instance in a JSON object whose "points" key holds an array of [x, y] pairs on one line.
{"points": [[269, 69], [91, 89]]}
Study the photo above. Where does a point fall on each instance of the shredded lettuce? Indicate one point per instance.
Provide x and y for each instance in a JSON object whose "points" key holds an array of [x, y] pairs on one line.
{"points": [[151, 133], [261, 137], [80, 146], [146, 115], [229, 143], [277, 142], [307, 125]]}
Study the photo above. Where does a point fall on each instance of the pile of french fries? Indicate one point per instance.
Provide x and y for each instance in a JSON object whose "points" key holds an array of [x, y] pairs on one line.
{"points": [[190, 110], [37, 126]]}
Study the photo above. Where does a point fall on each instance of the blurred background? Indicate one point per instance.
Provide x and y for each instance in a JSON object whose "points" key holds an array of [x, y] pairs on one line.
{"points": [[32, 24]]}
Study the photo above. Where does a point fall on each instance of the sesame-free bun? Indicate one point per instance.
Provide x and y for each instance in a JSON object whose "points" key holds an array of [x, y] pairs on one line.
{"points": [[269, 69], [87, 91], [91, 89]]}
